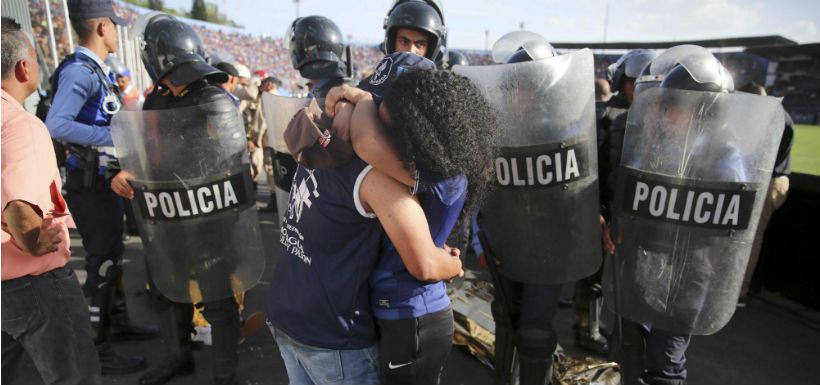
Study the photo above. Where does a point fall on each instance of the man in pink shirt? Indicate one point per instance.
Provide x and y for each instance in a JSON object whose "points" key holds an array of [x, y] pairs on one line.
{"points": [[44, 313]]}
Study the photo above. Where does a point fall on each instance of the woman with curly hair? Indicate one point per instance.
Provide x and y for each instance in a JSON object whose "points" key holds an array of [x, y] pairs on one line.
{"points": [[435, 133]]}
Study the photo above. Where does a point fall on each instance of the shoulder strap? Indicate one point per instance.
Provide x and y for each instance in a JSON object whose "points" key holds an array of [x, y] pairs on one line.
{"points": [[81, 60]]}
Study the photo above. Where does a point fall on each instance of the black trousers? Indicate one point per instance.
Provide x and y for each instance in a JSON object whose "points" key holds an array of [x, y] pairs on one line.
{"points": [[413, 350], [531, 306], [46, 318], [98, 214]]}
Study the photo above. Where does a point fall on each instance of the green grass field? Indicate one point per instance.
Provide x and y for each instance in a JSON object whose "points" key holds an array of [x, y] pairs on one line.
{"points": [[806, 149]]}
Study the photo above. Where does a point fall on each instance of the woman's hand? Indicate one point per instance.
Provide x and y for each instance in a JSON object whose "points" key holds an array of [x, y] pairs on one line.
{"points": [[344, 93]]}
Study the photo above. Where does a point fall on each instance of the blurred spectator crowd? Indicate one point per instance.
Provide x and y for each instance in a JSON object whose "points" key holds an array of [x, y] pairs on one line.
{"points": [[271, 55]]}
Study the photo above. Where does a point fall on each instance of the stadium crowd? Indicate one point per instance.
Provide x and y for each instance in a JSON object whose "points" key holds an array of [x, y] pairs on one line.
{"points": [[270, 54]]}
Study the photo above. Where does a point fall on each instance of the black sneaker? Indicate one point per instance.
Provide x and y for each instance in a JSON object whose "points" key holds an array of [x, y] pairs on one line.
{"points": [[113, 363]]}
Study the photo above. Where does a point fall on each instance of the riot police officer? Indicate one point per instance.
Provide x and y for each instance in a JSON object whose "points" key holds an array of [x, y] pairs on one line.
{"points": [[673, 277], [186, 81], [317, 50], [85, 99], [611, 123], [540, 229], [416, 26]]}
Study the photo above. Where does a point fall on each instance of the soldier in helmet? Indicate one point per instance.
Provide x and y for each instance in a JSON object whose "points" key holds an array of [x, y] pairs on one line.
{"points": [[185, 81], [416, 26], [611, 123]]}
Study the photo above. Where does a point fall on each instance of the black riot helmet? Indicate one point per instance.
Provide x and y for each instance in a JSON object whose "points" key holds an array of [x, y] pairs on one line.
{"points": [[456, 58], [417, 15], [700, 73], [316, 47], [172, 48], [630, 65]]}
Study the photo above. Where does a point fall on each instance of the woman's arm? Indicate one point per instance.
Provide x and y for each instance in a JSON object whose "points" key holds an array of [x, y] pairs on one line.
{"points": [[405, 224], [367, 133]]}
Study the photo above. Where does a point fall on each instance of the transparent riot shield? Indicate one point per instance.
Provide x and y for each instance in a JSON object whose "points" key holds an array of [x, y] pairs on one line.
{"points": [[279, 110], [693, 178], [542, 219], [194, 199]]}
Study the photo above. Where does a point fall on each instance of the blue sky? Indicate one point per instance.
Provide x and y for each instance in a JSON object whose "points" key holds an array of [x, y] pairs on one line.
{"points": [[556, 20]]}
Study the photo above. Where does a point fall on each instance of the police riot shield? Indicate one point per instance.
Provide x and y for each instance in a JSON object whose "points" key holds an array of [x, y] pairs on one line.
{"points": [[194, 199], [693, 177], [542, 219], [279, 110]]}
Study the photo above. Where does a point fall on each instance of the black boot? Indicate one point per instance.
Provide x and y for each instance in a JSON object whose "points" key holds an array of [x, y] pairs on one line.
{"points": [[535, 349], [176, 318], [179, 366], [113, 363], [504, 349], [647, 379], [99, 306], [629, 352], [122, 326], [223, 315]]}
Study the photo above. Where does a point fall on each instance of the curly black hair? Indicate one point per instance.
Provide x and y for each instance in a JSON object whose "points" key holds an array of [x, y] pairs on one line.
{"points": [[444, 127]]}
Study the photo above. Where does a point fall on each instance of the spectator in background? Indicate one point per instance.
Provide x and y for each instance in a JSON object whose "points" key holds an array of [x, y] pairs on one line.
{"points": [[238, 77], [132, 98], [778, 190], [44, 311], [258, 136]]}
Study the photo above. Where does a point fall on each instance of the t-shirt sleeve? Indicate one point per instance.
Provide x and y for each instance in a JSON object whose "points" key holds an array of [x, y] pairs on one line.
{"points": [[23, 178]]}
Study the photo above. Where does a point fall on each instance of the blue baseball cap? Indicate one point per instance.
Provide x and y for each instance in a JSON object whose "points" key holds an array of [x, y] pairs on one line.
{"points": [[91, 9], [389, 69]]}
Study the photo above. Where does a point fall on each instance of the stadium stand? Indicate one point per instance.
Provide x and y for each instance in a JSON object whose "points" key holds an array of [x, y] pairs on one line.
{"points": [[795, 76]]}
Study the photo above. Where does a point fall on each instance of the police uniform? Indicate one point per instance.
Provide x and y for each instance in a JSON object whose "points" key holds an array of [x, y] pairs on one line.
{"points": [[85, 99]]}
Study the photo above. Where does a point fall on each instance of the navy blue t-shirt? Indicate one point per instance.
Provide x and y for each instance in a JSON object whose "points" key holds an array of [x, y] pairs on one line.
{"points": [[328, 248], [394, 292]]}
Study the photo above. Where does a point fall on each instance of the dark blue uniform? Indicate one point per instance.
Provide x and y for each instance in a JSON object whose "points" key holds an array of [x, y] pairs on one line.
{"points": [[81, 87]]}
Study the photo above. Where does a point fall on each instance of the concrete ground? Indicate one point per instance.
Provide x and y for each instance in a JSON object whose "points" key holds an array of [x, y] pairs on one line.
{"points": [[771, 341]]}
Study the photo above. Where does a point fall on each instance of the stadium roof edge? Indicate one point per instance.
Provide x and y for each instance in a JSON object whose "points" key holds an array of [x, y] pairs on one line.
{"points": [[752, 41], [779, 53]]}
